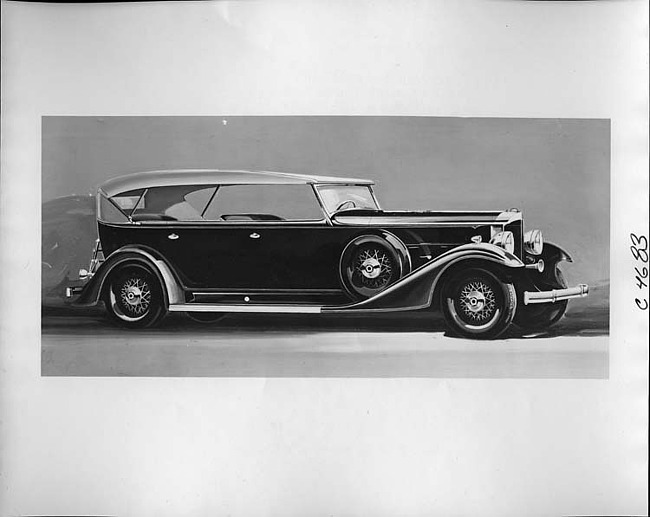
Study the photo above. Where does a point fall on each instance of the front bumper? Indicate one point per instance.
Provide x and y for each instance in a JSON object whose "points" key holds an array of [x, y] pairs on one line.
{"points": [[556, 295]]}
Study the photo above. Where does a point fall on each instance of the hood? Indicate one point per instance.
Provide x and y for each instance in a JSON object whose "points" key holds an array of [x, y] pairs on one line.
{"points": [[364, 217]]}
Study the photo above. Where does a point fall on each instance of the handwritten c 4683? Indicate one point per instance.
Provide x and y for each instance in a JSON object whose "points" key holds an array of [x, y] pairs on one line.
{"points": [[639, 250]]}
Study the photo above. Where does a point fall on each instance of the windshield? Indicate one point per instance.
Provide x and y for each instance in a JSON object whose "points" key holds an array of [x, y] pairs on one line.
{"points": [[346, 197]]}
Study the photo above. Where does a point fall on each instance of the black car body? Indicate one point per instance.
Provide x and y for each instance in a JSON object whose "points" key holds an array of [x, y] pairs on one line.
{"points": [[210, 242]]}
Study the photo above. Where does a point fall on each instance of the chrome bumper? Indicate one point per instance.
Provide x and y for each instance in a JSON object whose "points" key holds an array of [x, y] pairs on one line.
{"points": [[71, 292], [555, 295]]}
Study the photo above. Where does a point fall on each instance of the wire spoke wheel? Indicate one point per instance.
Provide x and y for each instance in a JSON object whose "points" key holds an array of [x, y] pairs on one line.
{"points": [[373, 268], [477, 304], [371, 263], [134, 298]]}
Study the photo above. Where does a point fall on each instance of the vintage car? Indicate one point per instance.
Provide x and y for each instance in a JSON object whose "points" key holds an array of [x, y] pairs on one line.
{"points": [[213, 242]]}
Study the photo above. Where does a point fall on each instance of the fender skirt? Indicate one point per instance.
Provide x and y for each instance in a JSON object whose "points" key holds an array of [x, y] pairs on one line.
{"points": [[92, 291], [415, 290]]}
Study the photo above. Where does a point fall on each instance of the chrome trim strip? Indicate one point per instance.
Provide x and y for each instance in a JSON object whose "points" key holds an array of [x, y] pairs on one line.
{"points": [[275, 309], [442, 213], [267, 292], [372, 220], [419, 245], [195, 225], [555, 295]]}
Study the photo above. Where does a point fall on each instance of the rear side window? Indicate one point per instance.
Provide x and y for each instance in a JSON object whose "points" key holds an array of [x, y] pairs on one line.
{"points": [[173, 203], [109, 212], [127, 200], [264, 203]]}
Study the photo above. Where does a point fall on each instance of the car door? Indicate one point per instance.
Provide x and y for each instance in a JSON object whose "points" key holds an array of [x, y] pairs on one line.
{"points": [[170, 219], [272, 237]]}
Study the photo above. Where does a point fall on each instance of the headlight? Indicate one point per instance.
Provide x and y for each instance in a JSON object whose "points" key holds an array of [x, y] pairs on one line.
{"points": [[534, 242], [505, 240]]}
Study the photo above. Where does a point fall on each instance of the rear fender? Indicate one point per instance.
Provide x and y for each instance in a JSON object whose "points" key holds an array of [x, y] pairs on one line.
{"points": [[416, 290], [172, 291]]}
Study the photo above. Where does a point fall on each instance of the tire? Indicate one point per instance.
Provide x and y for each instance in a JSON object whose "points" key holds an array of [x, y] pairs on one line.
{"points": [[369, 264], [134, 297], [206, 317], [542, 316], [477, 304]]}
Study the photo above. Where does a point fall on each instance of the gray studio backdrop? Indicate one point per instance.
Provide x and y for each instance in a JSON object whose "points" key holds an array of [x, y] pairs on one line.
{"points": [[555, 170]]}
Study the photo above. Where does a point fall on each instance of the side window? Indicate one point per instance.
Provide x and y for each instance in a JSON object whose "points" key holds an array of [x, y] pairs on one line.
{"points": [[264, 203], [109, 213], [173, 203], [127, 200]]}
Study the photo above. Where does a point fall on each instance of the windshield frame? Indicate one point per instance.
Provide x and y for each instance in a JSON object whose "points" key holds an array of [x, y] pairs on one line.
{"points": [[332, 213]]}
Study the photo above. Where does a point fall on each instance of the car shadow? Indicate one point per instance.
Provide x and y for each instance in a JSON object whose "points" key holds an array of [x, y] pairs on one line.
{"points": [[586, 321]]}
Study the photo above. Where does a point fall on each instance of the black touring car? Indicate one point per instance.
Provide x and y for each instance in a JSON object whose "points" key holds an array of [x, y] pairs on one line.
{"points": [[213, 242]]}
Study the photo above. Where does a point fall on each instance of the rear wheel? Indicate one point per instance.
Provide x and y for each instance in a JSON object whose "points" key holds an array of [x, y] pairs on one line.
{"points": [[477, 304], [134, 297]]}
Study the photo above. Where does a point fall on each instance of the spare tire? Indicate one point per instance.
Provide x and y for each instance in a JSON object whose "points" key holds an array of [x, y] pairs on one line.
{"points": [[371, 263]]}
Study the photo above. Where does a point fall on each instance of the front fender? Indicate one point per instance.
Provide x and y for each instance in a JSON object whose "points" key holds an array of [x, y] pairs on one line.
{"points": [[172, 290], [552, 253], [551, 277], [415, 290]]}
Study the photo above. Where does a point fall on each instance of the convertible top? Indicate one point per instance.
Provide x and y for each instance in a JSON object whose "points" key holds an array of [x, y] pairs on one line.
{"points": [[162, 178]]}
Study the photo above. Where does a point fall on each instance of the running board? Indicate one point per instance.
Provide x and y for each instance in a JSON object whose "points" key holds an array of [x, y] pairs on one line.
{"points": [[277, 309]]}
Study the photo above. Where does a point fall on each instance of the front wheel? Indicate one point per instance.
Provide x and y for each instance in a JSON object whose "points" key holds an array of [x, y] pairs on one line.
{"points": [[477, 304], [134, 297]]}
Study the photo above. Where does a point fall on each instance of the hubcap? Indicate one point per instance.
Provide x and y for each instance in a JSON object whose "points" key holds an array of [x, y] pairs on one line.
{"points": [[135, 296], [477, 302], [370, 268], [374, 268]]}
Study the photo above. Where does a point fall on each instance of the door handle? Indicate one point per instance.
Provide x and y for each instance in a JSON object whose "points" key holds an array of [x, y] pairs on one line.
{"points": [[172, 236], [254, 235]]}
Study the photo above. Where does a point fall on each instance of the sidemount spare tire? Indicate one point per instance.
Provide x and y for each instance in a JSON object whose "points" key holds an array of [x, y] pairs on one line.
{"points": [[370, 263]]}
